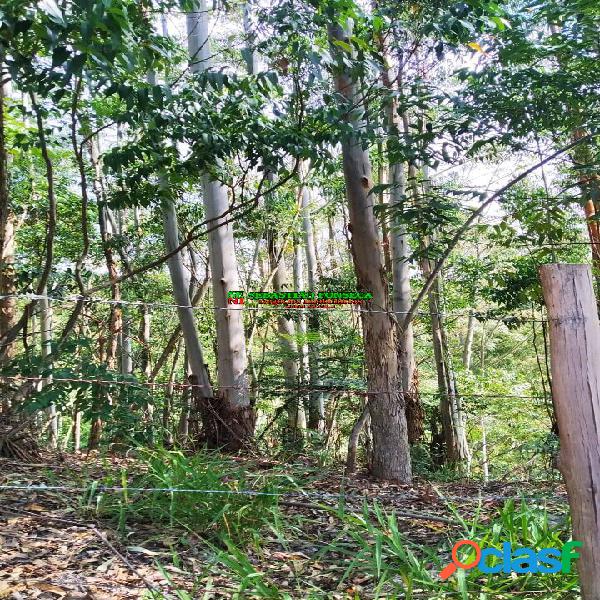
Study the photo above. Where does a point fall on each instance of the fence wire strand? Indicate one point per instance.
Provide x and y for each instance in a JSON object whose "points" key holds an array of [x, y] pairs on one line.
{"points": [[49, 379], [244, 307], [99, 489]]}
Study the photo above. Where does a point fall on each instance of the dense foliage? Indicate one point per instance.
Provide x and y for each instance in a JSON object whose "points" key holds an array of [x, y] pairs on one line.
{"points": [[480, 122]]}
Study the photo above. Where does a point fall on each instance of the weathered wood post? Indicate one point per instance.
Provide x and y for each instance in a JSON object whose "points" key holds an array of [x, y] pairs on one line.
{"points": [[575, 359]]}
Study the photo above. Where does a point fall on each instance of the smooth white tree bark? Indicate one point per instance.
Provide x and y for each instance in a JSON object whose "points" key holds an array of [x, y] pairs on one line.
{"points": [[309, 241], [316, 411], [467, 354], [46, 326], [231, 346], [399, 253], [401, 303], [182, 298]]}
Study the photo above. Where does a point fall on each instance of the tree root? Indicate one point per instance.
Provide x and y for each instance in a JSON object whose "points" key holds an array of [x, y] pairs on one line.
{"points": [[17, 441]]}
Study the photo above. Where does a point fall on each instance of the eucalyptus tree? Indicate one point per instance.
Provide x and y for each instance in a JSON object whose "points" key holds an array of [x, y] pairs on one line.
{"points": [[396, 124], [316, 408], [386, 405], [7, 229], [195, 354], [231, 344]]}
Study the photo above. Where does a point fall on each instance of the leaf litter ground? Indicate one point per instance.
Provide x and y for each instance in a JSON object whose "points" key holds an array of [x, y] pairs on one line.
{"points": [[50, 548]]}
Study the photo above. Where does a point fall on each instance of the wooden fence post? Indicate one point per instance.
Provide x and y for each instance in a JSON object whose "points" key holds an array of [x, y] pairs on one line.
{"points": [[575, 359]]}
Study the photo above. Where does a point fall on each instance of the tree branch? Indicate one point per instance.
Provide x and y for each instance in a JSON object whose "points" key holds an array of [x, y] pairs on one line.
{"points": [[462, 230]]}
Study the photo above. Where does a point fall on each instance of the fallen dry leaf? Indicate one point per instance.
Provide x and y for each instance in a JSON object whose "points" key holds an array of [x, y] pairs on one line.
{"points": [[7, 589], [51, 588], [33, 507], [142, 550]]}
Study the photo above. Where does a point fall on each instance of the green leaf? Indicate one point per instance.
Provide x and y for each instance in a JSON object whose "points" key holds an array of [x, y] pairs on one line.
{"points": [[380, 187], [344, 45]]}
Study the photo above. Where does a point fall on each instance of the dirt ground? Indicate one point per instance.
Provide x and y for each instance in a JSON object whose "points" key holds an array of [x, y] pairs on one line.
{"points": [[51, 547]]}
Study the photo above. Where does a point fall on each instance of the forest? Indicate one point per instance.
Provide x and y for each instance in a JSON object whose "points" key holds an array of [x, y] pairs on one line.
{"points": [[299, 299]]}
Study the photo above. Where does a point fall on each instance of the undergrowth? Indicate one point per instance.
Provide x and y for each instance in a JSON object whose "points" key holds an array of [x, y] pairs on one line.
{"points": [[365, 552], [399, 568], [373, 549], [217, 512]]}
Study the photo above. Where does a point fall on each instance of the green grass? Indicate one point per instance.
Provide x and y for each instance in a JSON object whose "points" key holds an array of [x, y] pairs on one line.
{"points": [[370, 544], [218, 515], [241, 532], [403, 569]]}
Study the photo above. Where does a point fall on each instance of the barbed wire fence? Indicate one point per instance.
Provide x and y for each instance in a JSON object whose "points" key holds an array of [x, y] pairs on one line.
{"points": [[273, 388], [64, 374]]}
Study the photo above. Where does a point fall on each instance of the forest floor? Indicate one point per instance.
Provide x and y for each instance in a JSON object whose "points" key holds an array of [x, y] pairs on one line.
{"points": [[50, 548]]}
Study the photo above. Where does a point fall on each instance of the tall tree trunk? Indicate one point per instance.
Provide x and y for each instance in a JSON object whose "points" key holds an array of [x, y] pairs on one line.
{"points": [[304, 365], [195, 367], [46, 350], [316, 408], [353, 440], [235, 410], [385, 175], [401, 303], [8, 306], [456, 448], [195, 355], [116, 313], [287, 338], [467, 354], [176, 335], [220, 428], [396, 236], [391, 453], [251, 58]]}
